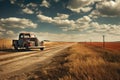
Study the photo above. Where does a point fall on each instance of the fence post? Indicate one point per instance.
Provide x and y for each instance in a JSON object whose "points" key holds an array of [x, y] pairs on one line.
{"points": [[103, 41]]}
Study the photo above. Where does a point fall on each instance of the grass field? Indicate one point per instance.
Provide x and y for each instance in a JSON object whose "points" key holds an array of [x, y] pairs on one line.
{"points": [[108, 45], [89, 61], [54, 43], [81, 62], [5, 44]]}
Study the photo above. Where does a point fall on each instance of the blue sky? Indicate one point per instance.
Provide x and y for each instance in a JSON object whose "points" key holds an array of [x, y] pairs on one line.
{"points": [[61, 20]]}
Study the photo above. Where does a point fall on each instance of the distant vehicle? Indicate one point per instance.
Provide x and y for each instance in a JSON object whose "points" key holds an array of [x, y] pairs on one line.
{"points": [[28, 41]]}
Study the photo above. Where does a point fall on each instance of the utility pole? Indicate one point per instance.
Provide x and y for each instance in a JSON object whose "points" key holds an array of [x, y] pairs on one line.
{"points": [[103, 41]]}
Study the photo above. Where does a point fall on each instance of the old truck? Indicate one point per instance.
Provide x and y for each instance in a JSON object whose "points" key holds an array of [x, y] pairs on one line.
{"points": [[28, 41]]}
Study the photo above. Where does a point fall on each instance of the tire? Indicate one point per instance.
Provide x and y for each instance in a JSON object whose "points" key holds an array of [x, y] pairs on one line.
{"points": [[15, 47], [15, 44], [26, 48], [41, 49]]}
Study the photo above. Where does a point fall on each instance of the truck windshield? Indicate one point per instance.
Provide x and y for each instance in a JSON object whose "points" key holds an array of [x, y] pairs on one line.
{"points": [[24, 36]]}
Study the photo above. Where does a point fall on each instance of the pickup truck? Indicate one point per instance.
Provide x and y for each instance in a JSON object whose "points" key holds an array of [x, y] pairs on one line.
{"points": [[28, 41]]}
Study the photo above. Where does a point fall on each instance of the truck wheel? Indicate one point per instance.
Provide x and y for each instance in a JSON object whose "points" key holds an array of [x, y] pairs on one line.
{"points": [[27, 48], [41, 49], [15, 47]]}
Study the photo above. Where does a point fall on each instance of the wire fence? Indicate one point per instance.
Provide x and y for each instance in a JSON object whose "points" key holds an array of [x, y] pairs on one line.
{"points": [[108, 45]]}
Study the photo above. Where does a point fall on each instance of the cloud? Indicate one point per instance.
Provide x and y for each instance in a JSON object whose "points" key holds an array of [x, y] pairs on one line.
{"points": [[27, 11], [59, 20], [66, 24], [84, 24], [80, 5], [13, 22], [109, 8], [12, 1], [43, 18], [10, 32], [28, 8], [74, 37], [104, 28], [86, 9], [94, 14], [83, 19], [2, 29], [59, 37], [61, 16], [1, 34], [81, 9], [32, 5], [105, 7], [45, 4]]}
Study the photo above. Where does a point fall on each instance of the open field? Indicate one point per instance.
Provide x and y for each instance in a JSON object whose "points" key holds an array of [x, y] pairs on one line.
{"points": [[17, 65], [5, 44], [76, 62], [108, 45], [50, 44], [79, 62]]}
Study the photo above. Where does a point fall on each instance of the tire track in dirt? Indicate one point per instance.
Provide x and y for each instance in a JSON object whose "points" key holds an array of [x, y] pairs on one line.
{"points": [[9, 59], [26, 62]]}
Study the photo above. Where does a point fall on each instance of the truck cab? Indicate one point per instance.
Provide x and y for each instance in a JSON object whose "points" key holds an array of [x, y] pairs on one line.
{"points": [[28, 41]]}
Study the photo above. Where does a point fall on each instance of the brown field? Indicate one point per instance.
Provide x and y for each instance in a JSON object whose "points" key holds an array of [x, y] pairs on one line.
{"points": [[80, 62], [108, 45], [5, 44], [89, 61], [50, 44]]}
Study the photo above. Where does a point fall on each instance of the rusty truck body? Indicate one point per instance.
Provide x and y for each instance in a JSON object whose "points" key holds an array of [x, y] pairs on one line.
{"points": [[28, 41]]}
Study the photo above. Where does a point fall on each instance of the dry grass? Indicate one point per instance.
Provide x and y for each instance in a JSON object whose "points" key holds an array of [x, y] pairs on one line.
{"points": [[87, 64], [51, 44], [5, 44], [115, 46], [80, 63]]}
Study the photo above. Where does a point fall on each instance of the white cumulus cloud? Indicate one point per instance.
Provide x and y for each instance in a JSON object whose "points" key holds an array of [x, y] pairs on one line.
{"points": [[66, 24], [108, 8], [11, 34], [27, 11], [83, 24], [2, 29], [12, 1], [61, 16], [80, 5], [32, 5], [105, 28], [14, 22], [74, 37], [45, 4], [43, 18]]}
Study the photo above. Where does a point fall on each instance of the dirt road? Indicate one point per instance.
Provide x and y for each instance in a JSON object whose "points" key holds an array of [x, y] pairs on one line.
{"points": [[71, 61], [17, 63]]}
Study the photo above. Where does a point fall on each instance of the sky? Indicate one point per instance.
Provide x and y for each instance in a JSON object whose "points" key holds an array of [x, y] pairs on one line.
{"points": [[61, 20]]}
